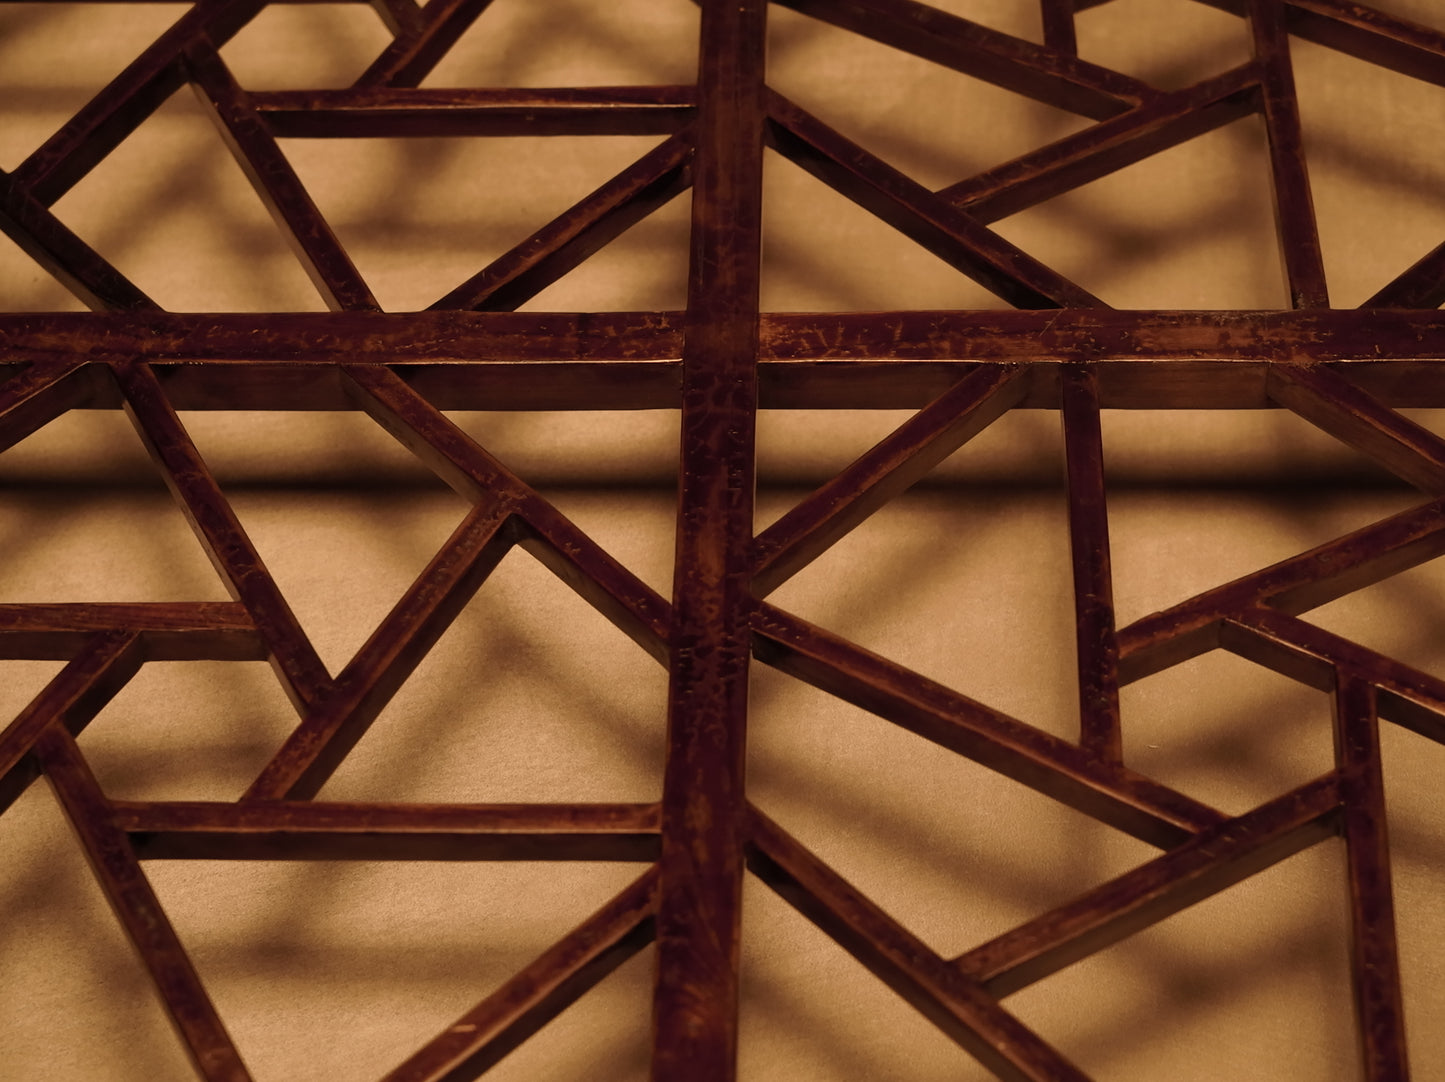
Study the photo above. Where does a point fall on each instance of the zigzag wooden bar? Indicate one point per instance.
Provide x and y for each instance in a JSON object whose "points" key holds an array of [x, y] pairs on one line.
{"points": [[718, 362]]}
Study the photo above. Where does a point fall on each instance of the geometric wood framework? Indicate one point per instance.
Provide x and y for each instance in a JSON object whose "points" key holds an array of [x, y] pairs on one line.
{"points": [[1345, 371]]}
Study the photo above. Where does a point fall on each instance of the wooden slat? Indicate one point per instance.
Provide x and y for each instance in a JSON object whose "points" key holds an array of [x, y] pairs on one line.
{"points": [[1096, 641], [1311, 655], [169, 630], [422, 43], [1421, 286], [216, 526], [128, 99], [426, 112], [1108, 146], [694, 1008], [633, 606], [316, 830], [1331, 402], [138, 910], [1211, 861], [956, 1003], [1058, 19], [280, 189], [1379, 1005], [1299, 238], [1366, 32], [518, 275], [400, 16], [1043, 73], [99, 669], [390, 654], [1058, 769], [557, 338], [506, 360], [1295, 585], [1363, 31], [41, 392], [531, 999], [887, 469], [913, 210], [76, 265]]}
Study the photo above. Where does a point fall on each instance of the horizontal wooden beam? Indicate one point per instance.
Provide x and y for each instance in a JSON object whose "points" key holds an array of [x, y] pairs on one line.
{"points": [[629, 360], [315, 830]]}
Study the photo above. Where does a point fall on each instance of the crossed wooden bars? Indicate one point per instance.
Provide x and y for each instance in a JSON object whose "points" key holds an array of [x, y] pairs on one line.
{"points": [[718, 361]]}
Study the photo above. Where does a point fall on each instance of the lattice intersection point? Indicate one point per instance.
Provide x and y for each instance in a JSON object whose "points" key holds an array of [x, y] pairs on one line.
{"points": [[1346, 371]]}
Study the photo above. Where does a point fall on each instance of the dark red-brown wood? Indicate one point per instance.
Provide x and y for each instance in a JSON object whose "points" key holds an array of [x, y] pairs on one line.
{"points": [[703, 804], [717, 362]]}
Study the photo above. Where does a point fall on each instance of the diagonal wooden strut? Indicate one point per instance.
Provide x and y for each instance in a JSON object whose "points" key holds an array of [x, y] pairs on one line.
{"points": [[956, 1003], [135, 904]]}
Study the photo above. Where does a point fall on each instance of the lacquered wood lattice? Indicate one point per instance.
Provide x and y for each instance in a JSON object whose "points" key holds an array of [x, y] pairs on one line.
{"points": [[1346, 371]]}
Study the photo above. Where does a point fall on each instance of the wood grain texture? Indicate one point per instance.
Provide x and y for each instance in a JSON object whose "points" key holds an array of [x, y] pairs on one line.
{"points": [[695, 1000], [718, 362]]}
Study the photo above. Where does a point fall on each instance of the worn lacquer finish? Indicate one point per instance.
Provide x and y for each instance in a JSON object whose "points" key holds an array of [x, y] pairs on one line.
{"points": [[718, 361]]}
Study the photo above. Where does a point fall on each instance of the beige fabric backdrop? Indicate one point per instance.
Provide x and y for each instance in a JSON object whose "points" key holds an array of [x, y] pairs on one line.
{"points": [[337, 972]]}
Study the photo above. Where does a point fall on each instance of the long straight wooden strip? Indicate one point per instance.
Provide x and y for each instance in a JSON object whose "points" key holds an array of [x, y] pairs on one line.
{"points": [[341, 337], [1058, 19], [811, 362], [1422, 286], [138, 910], [916, 212], [99, 669], [291, 654], [1299, 238], [1110, 145], [419, 47], [1331, 402], [280, 189], [884, 471], [1302, 582], [1379, 1005], [1213, 860], [400, 16], [59, 163], [1042, 73], [633, 606], [525, 360], [390, 654], [1108, 792], [1311, 655], [518, 275], [536, 995], [1148, 337], [1097, 642], [76, 265], [957, 1004], [171, 631], [1368, 33], [414, 112], [40, 393], [695, 998], [422, 428], [504, 381], [315, 830], [1365, 32]]}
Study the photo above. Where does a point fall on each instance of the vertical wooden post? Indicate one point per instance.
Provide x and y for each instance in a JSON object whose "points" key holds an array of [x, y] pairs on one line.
{"points": [[1299, 238], [1098, 645], [695, 1009], [1375, 957]]}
